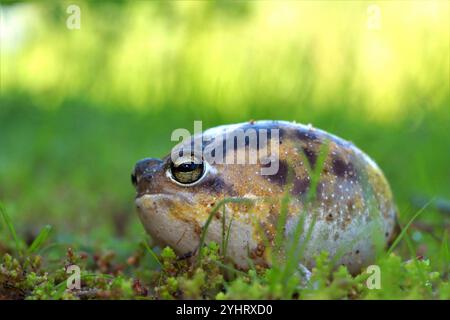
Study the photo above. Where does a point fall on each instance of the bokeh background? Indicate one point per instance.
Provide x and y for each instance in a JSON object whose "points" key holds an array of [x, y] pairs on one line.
{"points": [[79, 107]]}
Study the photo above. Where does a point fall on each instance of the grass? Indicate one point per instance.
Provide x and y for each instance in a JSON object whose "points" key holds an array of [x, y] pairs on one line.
{"points": [[217, 207], [9, 225], [118, 264], [405, 229]]}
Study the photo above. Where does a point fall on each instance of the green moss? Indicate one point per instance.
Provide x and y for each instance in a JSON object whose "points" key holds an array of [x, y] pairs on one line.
{"points": [[29, 277]]}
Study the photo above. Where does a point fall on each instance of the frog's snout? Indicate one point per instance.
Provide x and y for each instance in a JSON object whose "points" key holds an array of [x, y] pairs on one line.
{"points": [[144, 170]]}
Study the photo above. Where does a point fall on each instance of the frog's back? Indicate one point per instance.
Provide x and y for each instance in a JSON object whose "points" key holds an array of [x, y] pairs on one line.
{"points": [[352, 194], [349, 178]]}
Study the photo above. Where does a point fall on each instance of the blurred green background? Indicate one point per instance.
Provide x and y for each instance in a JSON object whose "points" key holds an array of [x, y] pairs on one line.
{"points": [[79, 107]]}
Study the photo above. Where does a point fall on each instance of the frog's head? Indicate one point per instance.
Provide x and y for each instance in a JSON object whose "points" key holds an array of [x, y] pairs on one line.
{"points": [[176, 194], [174, 198]]}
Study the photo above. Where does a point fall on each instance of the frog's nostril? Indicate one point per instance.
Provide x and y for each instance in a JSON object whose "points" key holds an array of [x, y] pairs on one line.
{"points": [[133, 179], [143, 168]]}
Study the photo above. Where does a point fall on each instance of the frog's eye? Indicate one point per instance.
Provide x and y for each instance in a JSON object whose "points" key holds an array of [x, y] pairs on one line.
{"points": [[187, 171]]}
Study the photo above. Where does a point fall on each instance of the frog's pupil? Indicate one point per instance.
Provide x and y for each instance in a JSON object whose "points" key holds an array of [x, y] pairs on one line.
{"points": [[188, 166]]}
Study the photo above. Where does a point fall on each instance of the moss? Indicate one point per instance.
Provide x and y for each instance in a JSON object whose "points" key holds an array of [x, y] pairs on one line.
{"points": [[28, 278]]}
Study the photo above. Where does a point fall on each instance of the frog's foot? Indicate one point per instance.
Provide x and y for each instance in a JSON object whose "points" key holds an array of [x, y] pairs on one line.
{"points": [[188, 254]]}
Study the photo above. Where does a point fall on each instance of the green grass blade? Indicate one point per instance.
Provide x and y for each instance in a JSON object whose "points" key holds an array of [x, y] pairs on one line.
{"points": [[152, 253], [308, 236], [210, 217], [315, 176], [279, 235], [405, 229], [10, 226], [227, 238], [229, 268], [40, 239], [295, 250], [223, 231], [412, 252]]}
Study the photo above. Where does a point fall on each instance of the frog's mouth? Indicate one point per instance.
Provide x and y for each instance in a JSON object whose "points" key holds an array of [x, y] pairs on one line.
{"points": [[148, 201], [156, 213]]}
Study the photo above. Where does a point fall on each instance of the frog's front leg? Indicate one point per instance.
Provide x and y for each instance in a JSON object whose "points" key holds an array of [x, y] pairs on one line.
{"points": [[188, 254]]}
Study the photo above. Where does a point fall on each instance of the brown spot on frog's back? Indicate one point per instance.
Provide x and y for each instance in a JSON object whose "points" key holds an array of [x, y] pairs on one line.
{"points": [[301, 185], [342, 168], [311, 155], [306, 135], [280, 178]]}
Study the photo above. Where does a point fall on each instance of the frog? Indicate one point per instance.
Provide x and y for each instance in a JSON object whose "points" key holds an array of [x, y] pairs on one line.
{"points": [[346, 209]]}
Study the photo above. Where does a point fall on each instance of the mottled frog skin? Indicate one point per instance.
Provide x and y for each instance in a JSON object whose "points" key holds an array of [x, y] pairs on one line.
{"points": [[352, 200]]}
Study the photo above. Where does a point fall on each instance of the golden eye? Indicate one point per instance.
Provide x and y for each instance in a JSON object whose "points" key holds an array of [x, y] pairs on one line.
{"points": [[187, 172]]}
